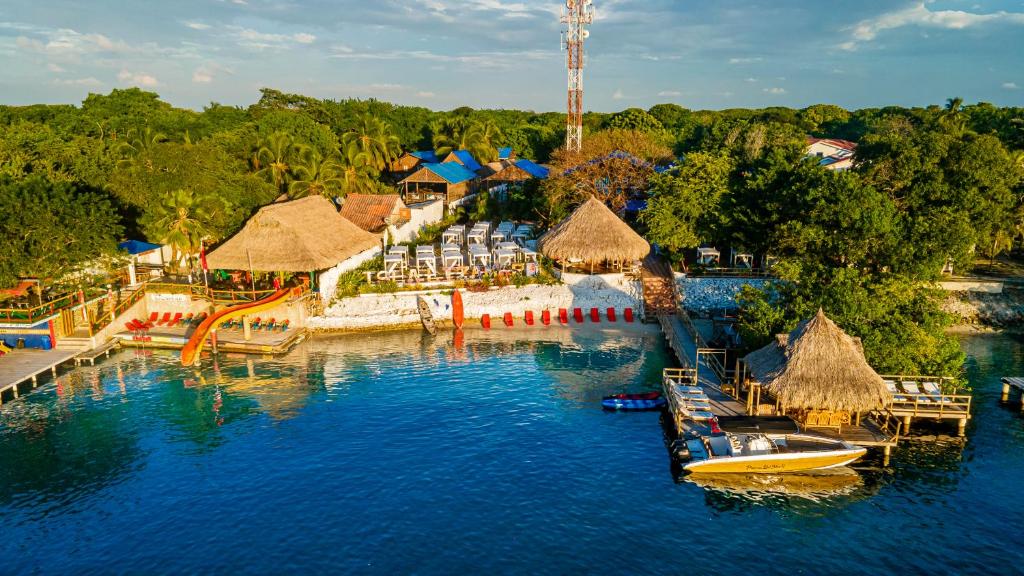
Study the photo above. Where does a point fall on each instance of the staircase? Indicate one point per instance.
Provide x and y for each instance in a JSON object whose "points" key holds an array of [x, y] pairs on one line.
{"points": [[74, 343], [659, 288]]}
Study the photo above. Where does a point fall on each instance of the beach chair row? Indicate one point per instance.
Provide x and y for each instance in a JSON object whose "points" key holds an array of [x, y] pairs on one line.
{"points": [[271, 325], [167, 321], [917, 392]]}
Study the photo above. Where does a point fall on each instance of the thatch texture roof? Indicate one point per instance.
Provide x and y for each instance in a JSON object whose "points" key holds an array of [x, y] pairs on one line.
{"points": [[593, 234], [818, 366], [299, 236]]}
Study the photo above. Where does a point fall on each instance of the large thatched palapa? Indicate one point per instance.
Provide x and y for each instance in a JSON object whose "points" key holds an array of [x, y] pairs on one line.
{"points": [[593, 234], [300, 236], [818, 367]]}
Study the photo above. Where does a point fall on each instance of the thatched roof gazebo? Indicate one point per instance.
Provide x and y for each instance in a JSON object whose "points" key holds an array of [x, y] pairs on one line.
{"points": [[817, 366], [593, 235], [303, 235]]}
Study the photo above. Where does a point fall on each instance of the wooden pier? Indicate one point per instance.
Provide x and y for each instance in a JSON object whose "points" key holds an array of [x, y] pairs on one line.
{"points": [[22, 366], [90, 356], [1013, 383], [928, 398]]}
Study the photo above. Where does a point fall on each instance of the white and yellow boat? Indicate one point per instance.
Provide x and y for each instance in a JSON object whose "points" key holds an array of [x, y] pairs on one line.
{"points": [[759, 452]]}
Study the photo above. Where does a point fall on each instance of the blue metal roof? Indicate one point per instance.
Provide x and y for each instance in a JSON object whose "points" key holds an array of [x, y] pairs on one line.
{"points": [[452, 172], [137, 246], [426, 156], [636, 205], [504, 153], [467, 160], [535, 170]]}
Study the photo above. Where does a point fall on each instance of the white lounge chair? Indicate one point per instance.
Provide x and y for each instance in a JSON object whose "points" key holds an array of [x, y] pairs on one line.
{"points": [[897, 396], [912, 389], [933, 389]]}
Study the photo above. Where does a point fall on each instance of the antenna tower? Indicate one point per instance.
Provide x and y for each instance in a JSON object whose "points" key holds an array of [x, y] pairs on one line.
{"points": [[576, 15]]}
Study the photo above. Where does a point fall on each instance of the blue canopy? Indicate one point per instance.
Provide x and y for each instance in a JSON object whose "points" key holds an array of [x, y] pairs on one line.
{"points": [[425, 155], [532, 168], [467, 160], [452, 172], [504, 153], [137, 246]]}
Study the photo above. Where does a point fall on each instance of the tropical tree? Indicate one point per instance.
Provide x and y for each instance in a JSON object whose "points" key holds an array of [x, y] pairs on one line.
{"points": [[357, 172], [315, 175], [273, 157], [138, 148], [375, 138], [184, 220], [459, 133]]}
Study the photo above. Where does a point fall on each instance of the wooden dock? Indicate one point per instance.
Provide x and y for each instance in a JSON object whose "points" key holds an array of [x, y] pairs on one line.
{"points": [[90, 356], [1013, 383], [22, 366]]}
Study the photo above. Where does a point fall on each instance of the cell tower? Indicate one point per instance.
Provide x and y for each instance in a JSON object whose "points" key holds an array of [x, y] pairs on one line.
{"points": [[576, 15]]}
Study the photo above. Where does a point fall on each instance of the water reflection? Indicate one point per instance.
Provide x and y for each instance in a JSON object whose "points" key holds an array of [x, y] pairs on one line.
{"points": [[812, 494]]}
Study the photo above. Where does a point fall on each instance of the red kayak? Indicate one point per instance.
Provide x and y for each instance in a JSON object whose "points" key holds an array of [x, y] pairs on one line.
{"points": [[642, 396]]}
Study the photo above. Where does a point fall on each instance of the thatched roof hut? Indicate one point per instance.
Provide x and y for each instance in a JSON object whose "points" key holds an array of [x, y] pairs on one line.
{"points": [[299, 236], [818, 366], [593, 234]]}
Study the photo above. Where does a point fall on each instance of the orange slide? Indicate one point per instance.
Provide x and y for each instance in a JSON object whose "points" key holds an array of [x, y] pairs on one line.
{"points": [[194, 346]]}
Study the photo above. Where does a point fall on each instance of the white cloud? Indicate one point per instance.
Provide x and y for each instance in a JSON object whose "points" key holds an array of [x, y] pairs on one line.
{"points": [[303, 38], [774, 90], [90, 81], [1010, 86], [618, 95], [920, 15], [54, 67], [670, 93], [751, 80], [206, 73], [249, 38], [137, 79], [745, 60], [197, 25], [425, 94]]}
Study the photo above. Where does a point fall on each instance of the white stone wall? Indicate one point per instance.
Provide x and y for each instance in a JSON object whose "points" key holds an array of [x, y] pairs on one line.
{"points": [[370, 311], [329, 279], [420, 215], [703, 295]]}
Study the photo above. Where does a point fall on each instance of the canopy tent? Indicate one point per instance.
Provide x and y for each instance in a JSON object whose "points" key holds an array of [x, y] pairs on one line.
{"points": [[593, 234], [299, 236], [818, 366]]}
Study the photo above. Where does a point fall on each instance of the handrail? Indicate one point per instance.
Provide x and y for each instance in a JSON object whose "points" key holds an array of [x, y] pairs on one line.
{"points": [[717, 366], [926, 404], [889, 423], [45, 310]]}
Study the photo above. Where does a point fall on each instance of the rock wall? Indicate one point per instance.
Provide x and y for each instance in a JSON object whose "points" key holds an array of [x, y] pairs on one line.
{"points": [[1004, 310], [379, 311], [703, 295]]}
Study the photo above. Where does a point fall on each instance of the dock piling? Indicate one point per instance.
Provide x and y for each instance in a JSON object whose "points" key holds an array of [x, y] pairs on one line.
{"points": [[1006, 391]]}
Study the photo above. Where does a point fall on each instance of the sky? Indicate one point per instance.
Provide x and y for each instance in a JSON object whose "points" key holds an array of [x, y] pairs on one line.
{"points": [[707, 54]]}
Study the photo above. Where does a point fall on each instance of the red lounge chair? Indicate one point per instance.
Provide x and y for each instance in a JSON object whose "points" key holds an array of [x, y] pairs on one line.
{"points": [[130, 326], [563, 315], [628, 314], [153, 317], [143, 324], [174, 321], [529, 318], [595, 316], [508, 319], [485, 321], [545, 317], [577, 315], [165, 320], [611, 314]]}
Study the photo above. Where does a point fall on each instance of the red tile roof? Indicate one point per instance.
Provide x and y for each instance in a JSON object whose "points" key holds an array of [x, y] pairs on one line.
{"points": [[834, 142], [368, 211]]}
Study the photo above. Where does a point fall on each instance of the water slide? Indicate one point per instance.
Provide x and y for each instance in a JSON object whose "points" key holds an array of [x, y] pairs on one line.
{"points": [[190, 353]]}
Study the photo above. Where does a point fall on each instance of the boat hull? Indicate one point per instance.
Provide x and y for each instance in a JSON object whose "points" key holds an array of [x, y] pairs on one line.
{"points": [[776, 463]]}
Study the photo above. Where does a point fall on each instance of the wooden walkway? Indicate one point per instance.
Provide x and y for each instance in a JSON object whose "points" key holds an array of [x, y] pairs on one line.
{"points": [[1013, 383], [685, 346], [26, 365], [90, 356]]}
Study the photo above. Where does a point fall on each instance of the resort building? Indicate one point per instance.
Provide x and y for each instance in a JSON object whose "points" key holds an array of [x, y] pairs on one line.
{"points": [[503, 174], [463, 157], [832, 153], [306, 236], [388, 215], [593, 239], [145, 260], [410, 161], [450, 182]]}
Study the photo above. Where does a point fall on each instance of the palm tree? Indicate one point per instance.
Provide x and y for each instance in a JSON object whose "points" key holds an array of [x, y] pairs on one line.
{"points": [[459, 134], [316, 176], [357, 174], [183, 220], [375, 138], [273, 157], [137, 145]]}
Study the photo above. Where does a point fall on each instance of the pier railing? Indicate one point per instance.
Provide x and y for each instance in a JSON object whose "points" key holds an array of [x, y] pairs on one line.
{"points": [[948, 402], [36, 314]]}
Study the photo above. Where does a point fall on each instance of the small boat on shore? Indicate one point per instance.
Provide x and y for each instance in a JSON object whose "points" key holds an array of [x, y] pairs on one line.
{"points": [[759, 452], [426, 316], [641, 401]]}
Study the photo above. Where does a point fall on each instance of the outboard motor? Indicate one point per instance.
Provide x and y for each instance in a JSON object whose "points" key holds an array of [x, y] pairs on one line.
{"points": [[680, 450]]}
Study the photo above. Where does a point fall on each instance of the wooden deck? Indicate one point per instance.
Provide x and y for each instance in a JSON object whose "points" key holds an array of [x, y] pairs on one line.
{"points": [[1013, 383], [22, 366], [90, 356], [685, 347]]}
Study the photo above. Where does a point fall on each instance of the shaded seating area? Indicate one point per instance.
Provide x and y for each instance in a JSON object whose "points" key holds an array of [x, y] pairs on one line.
{"points": [[817, 374], [594, 240]]}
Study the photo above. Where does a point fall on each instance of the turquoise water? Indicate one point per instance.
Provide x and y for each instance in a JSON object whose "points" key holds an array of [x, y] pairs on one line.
{"points": [[404, 453]]}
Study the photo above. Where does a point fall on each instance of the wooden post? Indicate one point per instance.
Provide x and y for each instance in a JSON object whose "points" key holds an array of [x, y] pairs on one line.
{"points": [[906, 424], [246, 328], [886, 453], [1006, 391], [960, 426]]}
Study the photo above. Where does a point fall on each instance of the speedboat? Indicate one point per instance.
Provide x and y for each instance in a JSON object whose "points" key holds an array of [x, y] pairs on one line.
{"points": [[722, 452], [642, 401]]}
